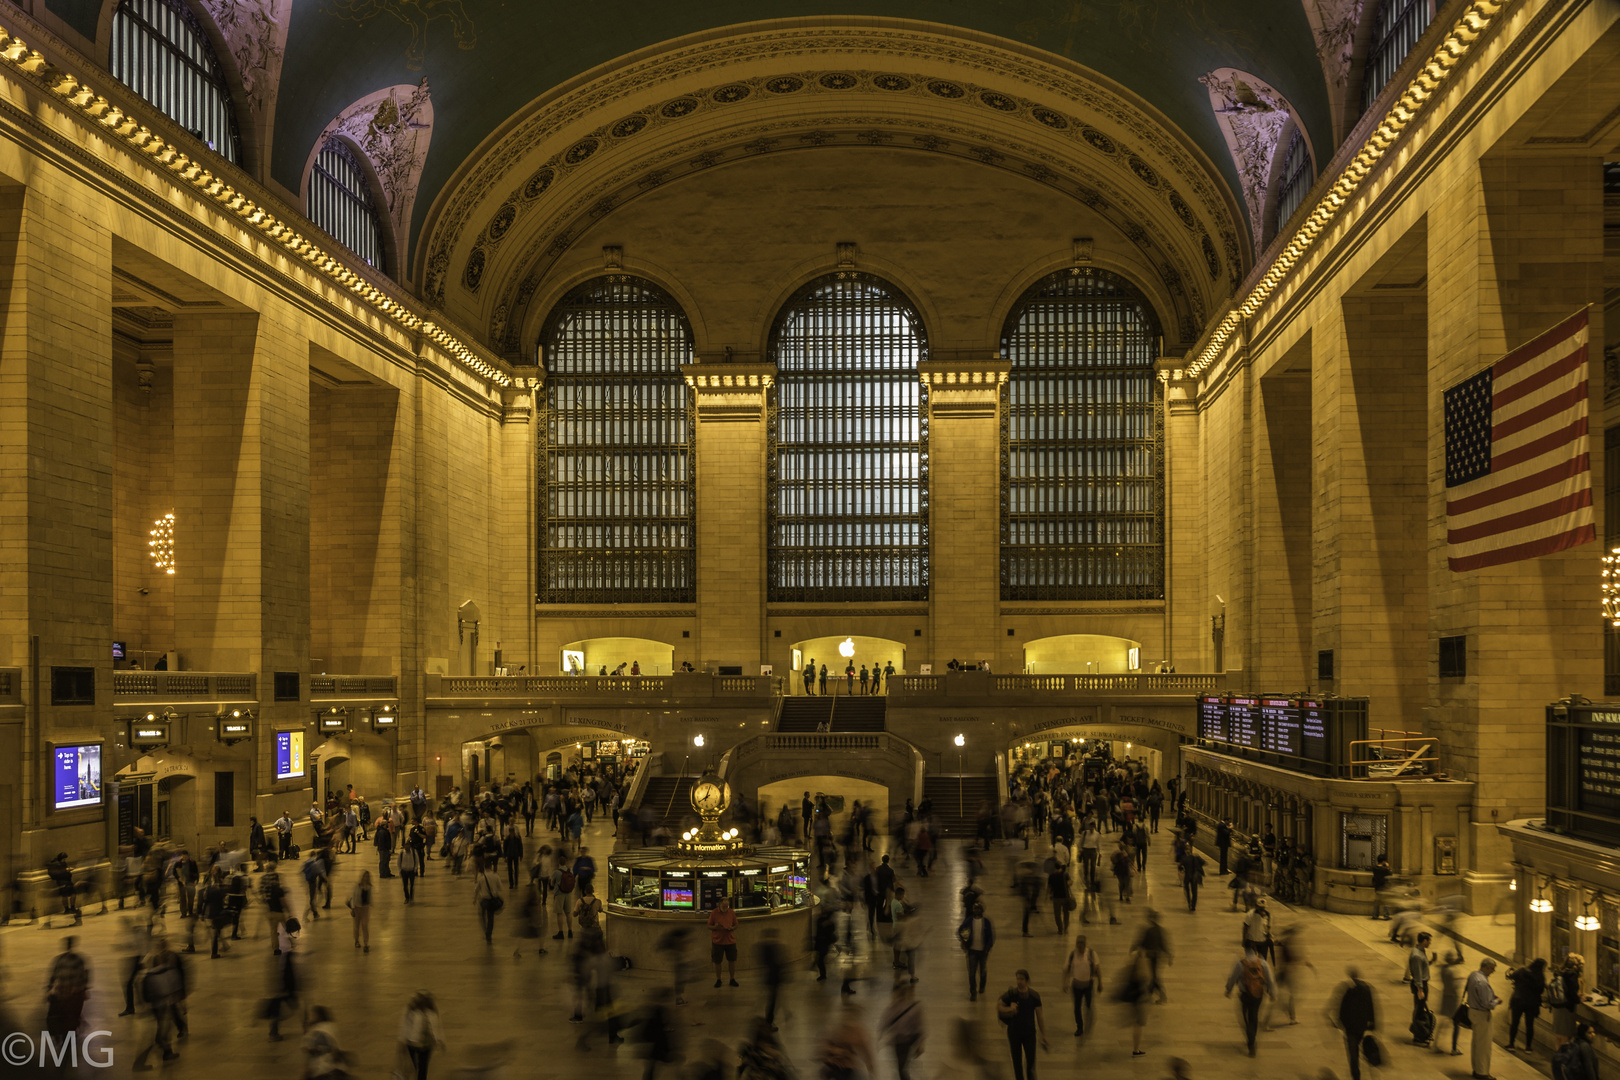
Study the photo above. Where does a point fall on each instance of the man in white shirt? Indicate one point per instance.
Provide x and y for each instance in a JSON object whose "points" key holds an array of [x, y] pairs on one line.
{"points": [[284, 827], [1481, 999]]}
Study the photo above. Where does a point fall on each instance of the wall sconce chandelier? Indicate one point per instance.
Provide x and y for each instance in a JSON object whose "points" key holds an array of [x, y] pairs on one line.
{"points": [[161, 544]]}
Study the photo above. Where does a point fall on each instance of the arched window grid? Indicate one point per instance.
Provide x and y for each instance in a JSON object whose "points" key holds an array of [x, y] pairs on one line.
{"points": [[161, 52], [617, 448], [340, 202], [1396, 28], [1296, 179], [847, 430], [1082, 443]]}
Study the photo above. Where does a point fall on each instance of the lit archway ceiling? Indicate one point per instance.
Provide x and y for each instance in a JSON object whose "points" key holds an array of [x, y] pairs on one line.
{"points": [[579, 154]]}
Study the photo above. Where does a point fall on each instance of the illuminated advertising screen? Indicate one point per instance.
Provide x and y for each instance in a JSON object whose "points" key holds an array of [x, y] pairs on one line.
{"points": [[289, 755], [76, 774]]}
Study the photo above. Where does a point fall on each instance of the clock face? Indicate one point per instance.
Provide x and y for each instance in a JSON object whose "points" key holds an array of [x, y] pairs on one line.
{"points": [[709, 795]]}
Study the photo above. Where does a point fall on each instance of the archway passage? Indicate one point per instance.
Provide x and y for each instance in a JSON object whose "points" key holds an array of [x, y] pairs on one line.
{"points": [[875, 653], [1082, 654], [842, 792], [590, 655]]}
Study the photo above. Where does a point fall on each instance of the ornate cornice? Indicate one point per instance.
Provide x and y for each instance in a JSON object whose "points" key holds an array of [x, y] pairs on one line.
{"points": [[728, 378]]}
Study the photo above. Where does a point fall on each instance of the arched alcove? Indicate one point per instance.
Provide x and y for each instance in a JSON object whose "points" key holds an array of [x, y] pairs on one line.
{"points": [[871, 651], [1082, 654], [593, 654]]}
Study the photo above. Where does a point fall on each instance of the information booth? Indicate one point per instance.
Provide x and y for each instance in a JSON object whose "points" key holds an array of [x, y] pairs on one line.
{"points": [[652, 894]]}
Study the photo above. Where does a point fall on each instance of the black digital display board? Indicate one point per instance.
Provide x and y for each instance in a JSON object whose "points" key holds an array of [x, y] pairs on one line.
{"points": [[1243, 722], [1313, 722], [1583, 769], [1279, 726], [1212, 717], [1296, 730]]}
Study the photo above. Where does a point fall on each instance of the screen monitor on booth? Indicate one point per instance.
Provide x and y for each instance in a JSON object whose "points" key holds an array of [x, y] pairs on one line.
{"points": [[76, 776], [289, 755]]}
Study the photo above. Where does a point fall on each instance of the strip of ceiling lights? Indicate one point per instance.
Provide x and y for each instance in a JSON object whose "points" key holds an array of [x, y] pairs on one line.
{"points": [[18, 55], [1470, 27]]}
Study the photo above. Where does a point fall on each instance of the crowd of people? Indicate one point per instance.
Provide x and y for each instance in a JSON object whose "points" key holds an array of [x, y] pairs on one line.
{"points": [[1070, 851]]}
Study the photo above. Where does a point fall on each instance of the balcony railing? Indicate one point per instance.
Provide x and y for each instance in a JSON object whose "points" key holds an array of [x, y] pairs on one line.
{"points": [[603, 687], [976, 682], [353, 686], [185, 686]]}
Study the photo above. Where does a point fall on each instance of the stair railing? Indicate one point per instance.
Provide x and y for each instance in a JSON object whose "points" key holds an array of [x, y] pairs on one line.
{"points": [[676, 789], [776, 711], [638, 786]]}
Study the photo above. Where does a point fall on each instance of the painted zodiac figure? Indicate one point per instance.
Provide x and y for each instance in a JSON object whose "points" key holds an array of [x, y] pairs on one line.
{"points": [[416, 14]]}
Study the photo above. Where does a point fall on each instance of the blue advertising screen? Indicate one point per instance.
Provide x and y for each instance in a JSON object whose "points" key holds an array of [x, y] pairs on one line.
{"points": [[289, 754], [77, 776]]}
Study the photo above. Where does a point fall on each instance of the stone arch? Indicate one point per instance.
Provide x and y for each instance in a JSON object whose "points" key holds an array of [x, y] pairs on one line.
{"points": [[579, 271], [248, 38], [904, 282], [1139, 274], [693, 103], [389, 131]]}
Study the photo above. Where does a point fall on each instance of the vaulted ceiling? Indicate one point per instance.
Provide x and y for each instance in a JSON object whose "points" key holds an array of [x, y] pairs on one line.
{"points": [[485, 60]]}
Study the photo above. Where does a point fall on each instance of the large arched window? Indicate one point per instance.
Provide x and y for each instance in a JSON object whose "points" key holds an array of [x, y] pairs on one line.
{"points": [[340, 202], [848, 487], [1294, 180], [1396, 28], [1083, 517], [616, 507], [160, 52]]}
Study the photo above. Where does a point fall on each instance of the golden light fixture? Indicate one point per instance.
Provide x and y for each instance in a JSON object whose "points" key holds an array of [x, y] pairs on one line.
{"points": [[1586, 920], [161, 543], [1609, 588]]}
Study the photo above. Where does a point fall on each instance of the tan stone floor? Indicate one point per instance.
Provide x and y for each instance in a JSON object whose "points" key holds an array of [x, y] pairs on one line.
{"points": [[488, 999]]}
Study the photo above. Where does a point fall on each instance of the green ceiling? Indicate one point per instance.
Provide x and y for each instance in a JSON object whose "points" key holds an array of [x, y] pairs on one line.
{"points": [[341, 50]]}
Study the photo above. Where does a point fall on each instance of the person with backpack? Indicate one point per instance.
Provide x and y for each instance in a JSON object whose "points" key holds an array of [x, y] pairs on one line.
{"points": [[1252, 977], [978, 936], [487, 895], [563, 884], [1577, 1058], [1524, 1002], [1192, 876], [1356, 1015], [1563, 995]]}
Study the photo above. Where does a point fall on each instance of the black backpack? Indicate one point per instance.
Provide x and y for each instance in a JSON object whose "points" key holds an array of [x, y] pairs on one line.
{"points": [[1563, 1062]]}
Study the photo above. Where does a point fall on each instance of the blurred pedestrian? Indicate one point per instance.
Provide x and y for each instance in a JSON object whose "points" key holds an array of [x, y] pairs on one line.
{"points": [[360, 911], [419, 1034], [723, 939], [1251, 977], [1529, 984], [901, 1027], [324, 1057], [66, 990], [1356, 1015]]}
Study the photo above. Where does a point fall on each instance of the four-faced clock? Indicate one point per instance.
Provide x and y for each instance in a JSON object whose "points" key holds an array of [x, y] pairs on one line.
{"points": [[710, 795]]}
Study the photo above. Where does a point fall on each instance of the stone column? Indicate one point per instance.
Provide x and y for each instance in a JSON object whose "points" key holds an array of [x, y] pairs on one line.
{"points": [[517, 543], [964, 507], [1514, 248], [56, 506], [241, 419], [1186, 538], [731, 515]]}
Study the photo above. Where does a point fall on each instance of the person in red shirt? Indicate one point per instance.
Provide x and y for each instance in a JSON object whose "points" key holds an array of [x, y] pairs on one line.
{"points": [[723, 938]]}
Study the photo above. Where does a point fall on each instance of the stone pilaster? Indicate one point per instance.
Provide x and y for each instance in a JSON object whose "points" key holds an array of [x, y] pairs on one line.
{"points": [[1514, 247], [732, 525], [242, 490], [56, 504], [964, 507]]}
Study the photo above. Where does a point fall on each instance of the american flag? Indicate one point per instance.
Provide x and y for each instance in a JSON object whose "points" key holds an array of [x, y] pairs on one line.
{"points": [[1518, 456]]}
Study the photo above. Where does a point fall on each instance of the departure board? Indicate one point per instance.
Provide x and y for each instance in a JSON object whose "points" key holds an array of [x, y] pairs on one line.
{"points": [[1211, 717], [1243, 722], [1279, 726], [1314, 743]]}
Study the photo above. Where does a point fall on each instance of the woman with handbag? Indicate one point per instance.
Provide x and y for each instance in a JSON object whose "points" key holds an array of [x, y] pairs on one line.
{"points": [[1451, 1006], [487, 895], [360, 911]]}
